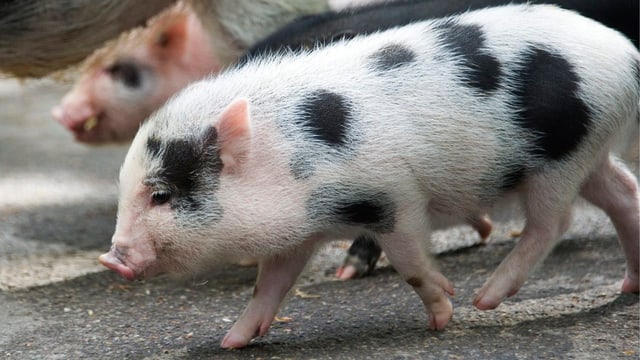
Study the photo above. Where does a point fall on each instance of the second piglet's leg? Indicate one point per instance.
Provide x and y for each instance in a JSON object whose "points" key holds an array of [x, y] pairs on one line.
{"points": [[276, 276], [361, 259], [405, 249], [364, 252]]}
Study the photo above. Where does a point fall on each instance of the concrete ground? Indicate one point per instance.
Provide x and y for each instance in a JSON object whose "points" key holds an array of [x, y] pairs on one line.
{"points": [[57, 213]]}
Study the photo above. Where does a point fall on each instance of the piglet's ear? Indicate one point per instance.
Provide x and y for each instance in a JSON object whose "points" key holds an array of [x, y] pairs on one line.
{"points": [[234, 134]]}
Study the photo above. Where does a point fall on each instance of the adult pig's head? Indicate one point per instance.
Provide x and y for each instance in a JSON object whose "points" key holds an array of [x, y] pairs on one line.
{"points": [[123, 83]]}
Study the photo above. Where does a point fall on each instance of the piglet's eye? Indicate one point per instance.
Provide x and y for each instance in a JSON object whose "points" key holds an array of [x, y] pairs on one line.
{"points": [[160, 197], [126, 72]]}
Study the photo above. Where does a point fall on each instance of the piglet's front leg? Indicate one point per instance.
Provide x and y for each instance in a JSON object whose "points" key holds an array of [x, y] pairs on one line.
{"points": [[276, 276]]}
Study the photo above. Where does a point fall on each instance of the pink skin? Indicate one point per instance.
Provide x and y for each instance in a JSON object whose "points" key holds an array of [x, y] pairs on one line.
{"points": [[275, 277], [406, 252], [346, 272], [112, 262], [134, 261], [615, 190], [175, 52], [129, 260], [134, 251]]}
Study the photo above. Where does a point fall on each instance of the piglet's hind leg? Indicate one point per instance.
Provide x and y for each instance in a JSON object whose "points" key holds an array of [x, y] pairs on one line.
{"points": [[548, 211], [614, 189]]}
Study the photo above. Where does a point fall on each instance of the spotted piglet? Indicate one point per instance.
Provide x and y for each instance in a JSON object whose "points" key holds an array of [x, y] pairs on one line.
{"points": [[387, 135]]}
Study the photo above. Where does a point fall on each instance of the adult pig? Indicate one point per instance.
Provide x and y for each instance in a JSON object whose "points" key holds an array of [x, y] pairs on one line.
{"points": [[123, 83], [270, 160]]}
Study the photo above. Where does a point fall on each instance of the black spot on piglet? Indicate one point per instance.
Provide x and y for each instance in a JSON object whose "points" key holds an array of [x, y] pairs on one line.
{"points": [[549, 105], [350, 205], [481, 69], [392, 56], [326, 116]]}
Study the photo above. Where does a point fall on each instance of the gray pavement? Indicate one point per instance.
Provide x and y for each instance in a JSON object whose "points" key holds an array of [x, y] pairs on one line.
{"points": [[57, 213]]}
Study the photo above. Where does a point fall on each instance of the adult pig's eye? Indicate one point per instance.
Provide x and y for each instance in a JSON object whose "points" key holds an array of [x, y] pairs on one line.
{"points": [[127, 73], [160, 197]]}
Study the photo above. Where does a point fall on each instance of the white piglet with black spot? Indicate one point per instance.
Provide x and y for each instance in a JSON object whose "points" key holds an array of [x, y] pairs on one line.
{"points": [[387, 135]]}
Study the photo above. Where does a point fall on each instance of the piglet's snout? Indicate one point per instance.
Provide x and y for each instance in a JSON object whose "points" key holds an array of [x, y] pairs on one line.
{"points": [[113, 260]]}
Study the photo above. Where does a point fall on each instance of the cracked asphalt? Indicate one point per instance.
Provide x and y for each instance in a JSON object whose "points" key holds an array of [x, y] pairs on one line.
{"points": [[57, 212]]}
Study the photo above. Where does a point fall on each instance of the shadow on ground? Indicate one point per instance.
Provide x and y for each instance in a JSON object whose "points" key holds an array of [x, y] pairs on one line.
{"points": [[570, 307]]}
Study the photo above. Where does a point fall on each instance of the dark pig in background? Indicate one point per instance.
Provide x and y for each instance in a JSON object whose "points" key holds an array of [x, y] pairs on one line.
{"points": [[314, 30], [387, 135]]}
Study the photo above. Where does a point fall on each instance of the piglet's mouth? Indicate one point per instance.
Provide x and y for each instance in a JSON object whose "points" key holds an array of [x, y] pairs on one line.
{"points": [[87, 125], [112, 261]]}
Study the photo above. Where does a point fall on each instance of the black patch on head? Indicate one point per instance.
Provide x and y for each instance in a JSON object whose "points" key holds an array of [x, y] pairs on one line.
{"points": [[482, 70], [350, 205], [154, 146], [326, 116], [185, 165], [548, 103], [392, 56]]}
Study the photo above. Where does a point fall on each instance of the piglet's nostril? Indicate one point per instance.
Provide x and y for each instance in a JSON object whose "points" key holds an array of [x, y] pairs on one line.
{"points": [[119, 252]]}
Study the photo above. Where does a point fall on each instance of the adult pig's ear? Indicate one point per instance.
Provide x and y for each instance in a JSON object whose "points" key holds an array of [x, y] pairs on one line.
{"points": [[170, 35], [234, 134]]}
